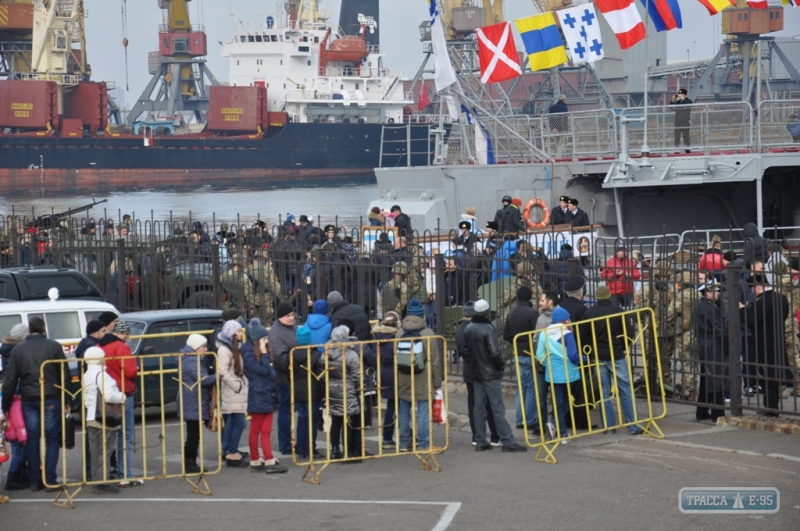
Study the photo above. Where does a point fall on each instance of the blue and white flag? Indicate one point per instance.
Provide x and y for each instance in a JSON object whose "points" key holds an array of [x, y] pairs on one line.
{"points": [[484, 150], [445, 74], [582, 32]]}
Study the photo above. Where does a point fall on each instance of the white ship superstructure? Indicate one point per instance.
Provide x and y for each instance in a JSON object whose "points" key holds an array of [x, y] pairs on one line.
{"points": [[316, 74]]}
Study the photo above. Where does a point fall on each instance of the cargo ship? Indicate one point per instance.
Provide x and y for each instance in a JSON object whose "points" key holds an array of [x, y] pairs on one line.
{"points": [[303, 102]]}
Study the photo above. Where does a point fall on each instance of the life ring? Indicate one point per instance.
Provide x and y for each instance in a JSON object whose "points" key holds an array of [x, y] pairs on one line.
{"points": [[526, 213]]}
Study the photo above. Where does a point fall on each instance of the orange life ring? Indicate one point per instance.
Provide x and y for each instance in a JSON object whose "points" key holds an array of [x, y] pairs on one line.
{"points": [[536, 202]]}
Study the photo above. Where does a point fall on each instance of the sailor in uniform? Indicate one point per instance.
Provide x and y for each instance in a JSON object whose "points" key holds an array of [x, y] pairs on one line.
{"points": [[576, 216], [558, 216]]}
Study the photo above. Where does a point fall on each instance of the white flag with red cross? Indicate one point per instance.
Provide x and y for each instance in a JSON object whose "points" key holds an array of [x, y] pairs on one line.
{"points": [[497, 53]]}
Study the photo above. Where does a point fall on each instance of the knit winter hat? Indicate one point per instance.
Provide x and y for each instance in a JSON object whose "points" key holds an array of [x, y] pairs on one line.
{"points": [[228, 330], [334, 298], [107, 318], [340, 334], [321, 307], [93, 355], [602, 293], [257, 332], [469, 309], [196, 341], [415, 308], [283, 310], [560, 315], [19, 331], [524, 294], [303, 335], [482, 308], [91, 327]]}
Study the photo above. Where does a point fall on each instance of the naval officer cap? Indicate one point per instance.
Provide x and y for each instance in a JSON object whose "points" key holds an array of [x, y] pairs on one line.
{"points": [[465, 225], [563, 199], [574, 284], [572, 201]]}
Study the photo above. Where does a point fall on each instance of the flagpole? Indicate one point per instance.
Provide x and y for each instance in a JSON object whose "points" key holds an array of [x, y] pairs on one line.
{"points": [[645, 160]]}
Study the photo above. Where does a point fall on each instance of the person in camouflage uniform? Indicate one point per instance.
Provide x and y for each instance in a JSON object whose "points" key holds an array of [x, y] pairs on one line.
{"points": [[525, 277], [238, 286], [267, 287], [395, 294], [786, 285], [667, 310], [686, 298]]}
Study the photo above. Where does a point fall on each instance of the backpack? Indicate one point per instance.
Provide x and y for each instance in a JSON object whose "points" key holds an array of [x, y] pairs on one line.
{"points": [[411, 353]]}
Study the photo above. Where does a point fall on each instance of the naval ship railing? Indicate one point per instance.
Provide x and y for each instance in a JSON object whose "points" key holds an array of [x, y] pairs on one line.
{"points": [[778, 123], [712, 128]]}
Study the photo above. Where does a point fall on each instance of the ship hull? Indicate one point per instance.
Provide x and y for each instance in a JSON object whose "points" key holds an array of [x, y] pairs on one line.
{"points": [[310, 151]]}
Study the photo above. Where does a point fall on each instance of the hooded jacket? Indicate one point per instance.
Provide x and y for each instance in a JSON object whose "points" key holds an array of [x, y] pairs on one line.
{"points": [[321, 327], [343, 368], [120, 358], [558, 353], [96, 380], [620, 284], [261, 378], [414, 323], [190, 391], [233, 387]]}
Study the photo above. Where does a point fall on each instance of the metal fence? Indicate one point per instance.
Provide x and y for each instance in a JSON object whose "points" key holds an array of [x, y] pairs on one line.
{"points": [[252, 267], [778, 123]]}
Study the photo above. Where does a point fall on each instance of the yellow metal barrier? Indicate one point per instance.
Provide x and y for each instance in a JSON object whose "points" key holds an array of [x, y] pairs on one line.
{"points": [[333, 378], [184, 365], [602, 378]]}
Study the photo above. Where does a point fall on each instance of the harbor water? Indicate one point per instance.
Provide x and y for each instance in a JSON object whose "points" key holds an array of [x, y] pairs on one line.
{"points": [[343, 200]]}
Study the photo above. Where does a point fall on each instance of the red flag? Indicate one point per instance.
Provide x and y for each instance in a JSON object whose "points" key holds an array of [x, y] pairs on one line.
{"points": [[757, 4], [424, 100], [624, 19], [497, 53]]}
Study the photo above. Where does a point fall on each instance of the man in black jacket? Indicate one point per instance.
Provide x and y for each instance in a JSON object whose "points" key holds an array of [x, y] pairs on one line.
{"points": [[609, 337], [282, 339], [683, 118], [485, 356], [558, 216], [575, 215], [341, 309], [403, 223], [466, 369], [521, 319], [27, 359], [573, 303], [711, 344]]}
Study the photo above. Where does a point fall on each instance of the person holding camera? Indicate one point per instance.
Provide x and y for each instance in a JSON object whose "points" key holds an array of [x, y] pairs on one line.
{"points": [[683, 118]]}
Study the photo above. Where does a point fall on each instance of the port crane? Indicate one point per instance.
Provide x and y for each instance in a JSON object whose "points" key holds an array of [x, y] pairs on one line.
{"points": [[179, 70]]}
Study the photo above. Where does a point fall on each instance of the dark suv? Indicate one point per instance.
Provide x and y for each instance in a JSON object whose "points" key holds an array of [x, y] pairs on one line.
{"points": [[164, 322], [33, 283]]}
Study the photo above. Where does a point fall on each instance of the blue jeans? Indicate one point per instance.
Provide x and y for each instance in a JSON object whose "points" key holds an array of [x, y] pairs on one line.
{"points": [[17, 457], [423, 435], [301, 441], [526, 377], [53, 413], [235, 423], [124, 464], [607, 370], [562, 406], [285, 418]]}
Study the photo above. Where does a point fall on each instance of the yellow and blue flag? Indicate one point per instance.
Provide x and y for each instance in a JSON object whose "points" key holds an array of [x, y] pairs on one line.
{"points": [[542, 41]]}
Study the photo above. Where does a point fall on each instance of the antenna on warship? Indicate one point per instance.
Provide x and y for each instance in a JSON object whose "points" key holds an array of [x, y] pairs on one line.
{"points": [[645, 157]]}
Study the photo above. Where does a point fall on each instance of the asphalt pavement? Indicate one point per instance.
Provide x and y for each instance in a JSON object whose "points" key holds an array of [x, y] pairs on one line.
{"points": [[600, 482]]}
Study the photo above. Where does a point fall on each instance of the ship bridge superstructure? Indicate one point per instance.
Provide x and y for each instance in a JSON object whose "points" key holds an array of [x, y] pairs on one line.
{"points": [[315, 73]]}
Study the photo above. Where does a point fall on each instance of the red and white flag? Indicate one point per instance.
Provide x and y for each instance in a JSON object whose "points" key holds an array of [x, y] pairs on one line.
{"points": [[424, 100], [497, 53], [757, 4], [624, 19]]}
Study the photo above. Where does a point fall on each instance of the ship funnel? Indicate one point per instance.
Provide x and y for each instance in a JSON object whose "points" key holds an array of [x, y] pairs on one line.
{"points": [[354, 13]]}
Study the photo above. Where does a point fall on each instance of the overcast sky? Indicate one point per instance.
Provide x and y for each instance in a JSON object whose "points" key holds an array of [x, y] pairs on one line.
{"points": [[399, 21]]}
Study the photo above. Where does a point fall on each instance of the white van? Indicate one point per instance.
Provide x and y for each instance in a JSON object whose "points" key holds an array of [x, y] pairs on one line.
{"points": [[65, 319]]}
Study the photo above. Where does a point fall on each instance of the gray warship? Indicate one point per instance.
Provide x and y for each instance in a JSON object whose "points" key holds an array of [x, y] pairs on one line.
{"points": [[619, 158]]}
